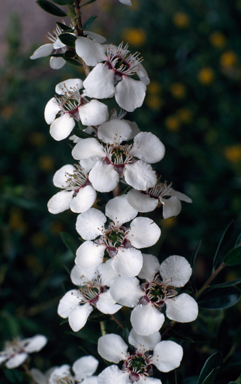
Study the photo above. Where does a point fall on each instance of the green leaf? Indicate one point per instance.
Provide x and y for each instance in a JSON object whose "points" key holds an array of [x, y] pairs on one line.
{"points": [[88, 2], [14, 376], [233, 257], [69, 54], [219, 298], [67, 39], [70, 242], [238, 241], [223, 243], [89, 22], [210, 378], [213, 362], [193, 261], [63, 2], [190, 380], [51, 8], [72, 61], [64, 27], [228, 283]]}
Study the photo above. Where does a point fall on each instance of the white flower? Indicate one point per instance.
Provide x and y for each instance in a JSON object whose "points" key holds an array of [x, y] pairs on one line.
{"points": [[77, 304], [112, 73], [78, 194], [83, 369], [160, 195], [40, 377], [126, 2], [16, 351], [117, 239], [62, 112], [137, 366], [57, 47], [157, 291], [115, 161]]}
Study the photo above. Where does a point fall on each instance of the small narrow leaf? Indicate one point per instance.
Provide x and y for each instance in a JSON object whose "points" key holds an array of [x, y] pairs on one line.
{"points": [[64, 27], [88, 2], [223, 243], [228, 283], [89, 22], [233, 257], [213, 362], [219, 298], [51, 8], [70, 242], [67, 39], [63, 2], [210, 378], [72, 61]]}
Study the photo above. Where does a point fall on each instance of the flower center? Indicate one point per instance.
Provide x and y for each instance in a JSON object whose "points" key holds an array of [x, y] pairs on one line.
{"points": [[114, 238], [160, 190], [91, 291], [137, 364], [14, 346], [64, 380], [76, 180], [157, 291], [121, 61]]}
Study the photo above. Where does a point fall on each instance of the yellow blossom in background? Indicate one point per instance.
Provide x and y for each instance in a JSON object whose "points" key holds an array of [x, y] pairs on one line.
{"points": [[206, 76], [185, 115], [37, 138], [178, 90], [181, 20], [154, 102], [154, 87], [134, 36], [56, 227], [38, 239], [228, 59], [46, 163], [168, 223], [233, 153], [16, 221], [172, 123], [6, 111], [217, 39], [33, 263]]}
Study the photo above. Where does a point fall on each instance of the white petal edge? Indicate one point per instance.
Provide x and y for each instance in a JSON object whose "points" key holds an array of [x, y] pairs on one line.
{"points": [[141, 202], [93, 113], [167, 355], [90, 224], [144, 343], [126, 291], [106, 304], [119, 210], [130, 93], [84, 199], [148, 147], [103, 177], [127, 262], [89, 255], [62, 127], [112, 348], [150, 267], [143, 232], [176, 270], [140, 175], [182, 308], [79, 316], [85, 366], [146, 319]]}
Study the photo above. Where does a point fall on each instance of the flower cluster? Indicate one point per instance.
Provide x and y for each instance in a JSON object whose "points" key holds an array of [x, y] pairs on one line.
{"points": [[112, 268]]}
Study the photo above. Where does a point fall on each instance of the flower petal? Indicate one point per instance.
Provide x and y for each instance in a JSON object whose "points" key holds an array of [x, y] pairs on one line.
{"points": [[167, 355], [130, 93], [68, 85], [144, 343], [127, 262], [90, 224], [148, 147], [69, 301], [143, 232], [103, 177], [43, 51], [108, 274], [112, 375], [146, 319], [140, 175], [126, 291], [85, 366], [51, 110], [176, 269], [86, 148], [95, 36], [181, 196], [84, 199], [150, 267], [182, 308], [114, 131], [90, 51], [106, 303], [171, 207], [36, 343], [100, 82], [61, 176], [89, 255], [119, 210], [112, 348], [56, 62], [79, 316], [60, 202], [93, 113], [141, 202], [16, 360], [62, 127], [80, 276]]}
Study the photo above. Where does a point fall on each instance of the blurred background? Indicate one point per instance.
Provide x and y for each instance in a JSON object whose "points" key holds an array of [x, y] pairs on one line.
{"points": [[192, 53]]}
